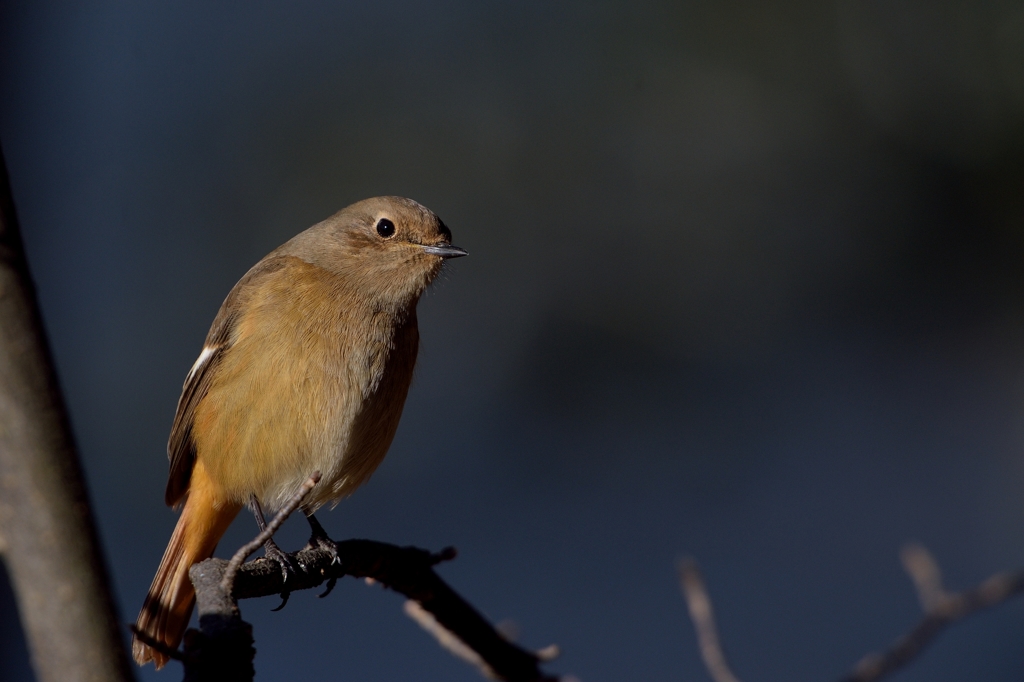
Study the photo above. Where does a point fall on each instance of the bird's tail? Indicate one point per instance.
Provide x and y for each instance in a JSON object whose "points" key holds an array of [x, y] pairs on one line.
{"points": [[168, 606]]}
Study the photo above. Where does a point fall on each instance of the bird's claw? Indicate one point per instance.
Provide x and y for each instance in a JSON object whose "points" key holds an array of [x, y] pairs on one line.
{"points": [[284, 600], [330, 586], [288, 567], [320, 540], [274, 553], [328, 545]]}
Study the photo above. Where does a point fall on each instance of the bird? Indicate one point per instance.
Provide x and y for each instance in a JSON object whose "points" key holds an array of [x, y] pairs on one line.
{"points": [[306, 368]]}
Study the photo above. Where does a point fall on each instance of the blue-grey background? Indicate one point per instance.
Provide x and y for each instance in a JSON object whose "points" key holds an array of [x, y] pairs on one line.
{"points": [[746, 283]]}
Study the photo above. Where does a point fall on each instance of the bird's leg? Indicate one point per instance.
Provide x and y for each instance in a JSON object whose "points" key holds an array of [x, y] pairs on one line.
{"points": [[319, 539], [272, 551]]}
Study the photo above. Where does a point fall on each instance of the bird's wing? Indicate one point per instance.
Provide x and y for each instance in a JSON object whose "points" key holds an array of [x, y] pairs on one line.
{"points": [[181, 447]]}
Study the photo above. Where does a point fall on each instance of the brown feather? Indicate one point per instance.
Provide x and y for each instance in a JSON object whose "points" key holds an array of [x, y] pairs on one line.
{"points": [[181, 448]]}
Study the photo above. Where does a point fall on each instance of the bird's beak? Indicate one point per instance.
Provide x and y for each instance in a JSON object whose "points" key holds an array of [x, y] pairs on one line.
{"points": [[444, 251]]}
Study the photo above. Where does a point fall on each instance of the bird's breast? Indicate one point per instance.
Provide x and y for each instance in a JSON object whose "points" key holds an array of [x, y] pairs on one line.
{"points": [[314, 379]]}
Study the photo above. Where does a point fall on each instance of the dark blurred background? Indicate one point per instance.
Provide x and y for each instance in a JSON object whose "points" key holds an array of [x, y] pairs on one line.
{"points": [[746, 283]]}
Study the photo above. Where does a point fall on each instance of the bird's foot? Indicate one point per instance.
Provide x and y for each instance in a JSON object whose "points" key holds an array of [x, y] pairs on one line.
{"points": [[274, 553], [288, 568], [319, 539], [331, 582]]}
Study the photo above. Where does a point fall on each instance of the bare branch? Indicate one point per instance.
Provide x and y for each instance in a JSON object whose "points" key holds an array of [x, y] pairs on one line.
{"points": [[446, 638], [703, 617], [408, 571], [923, 570], [223, 645], [941, 609], [47, 536]]}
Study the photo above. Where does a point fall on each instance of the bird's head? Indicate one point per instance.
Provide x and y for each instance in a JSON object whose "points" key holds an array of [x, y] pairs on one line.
{"points": [[390, 248]]}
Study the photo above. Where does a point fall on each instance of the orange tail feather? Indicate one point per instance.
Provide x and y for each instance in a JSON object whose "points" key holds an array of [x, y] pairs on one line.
{"points": [[168, 606]]}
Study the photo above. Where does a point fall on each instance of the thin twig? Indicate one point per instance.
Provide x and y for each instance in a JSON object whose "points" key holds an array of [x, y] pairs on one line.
{"points": [[703, 617], [446, 638], [227, 582], [924, 572], [453, 643], [941, 609]]}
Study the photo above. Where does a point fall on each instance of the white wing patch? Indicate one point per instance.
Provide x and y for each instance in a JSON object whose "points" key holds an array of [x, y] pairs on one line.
{"points": [[204, 357]]}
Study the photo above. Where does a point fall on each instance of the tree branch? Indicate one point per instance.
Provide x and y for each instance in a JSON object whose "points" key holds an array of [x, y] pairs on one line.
{"points": [[225, 642], [941, 609], [703, 616], [47, 536]]}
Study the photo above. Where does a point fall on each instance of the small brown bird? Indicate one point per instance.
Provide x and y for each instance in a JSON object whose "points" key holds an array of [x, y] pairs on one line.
{"points": [[305, 368]]}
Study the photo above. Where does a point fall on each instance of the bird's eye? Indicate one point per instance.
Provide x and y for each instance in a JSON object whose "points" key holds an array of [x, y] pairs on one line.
{"points": [[385, 228]]}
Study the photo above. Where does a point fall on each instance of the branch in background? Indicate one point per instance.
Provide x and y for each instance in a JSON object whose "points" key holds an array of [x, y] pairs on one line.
{"points": [[941, 608], [703, 617], [222, 648], [925, 574], [47, 536]]}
